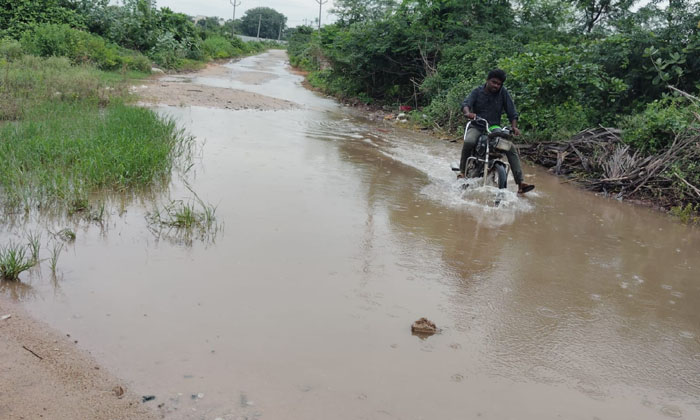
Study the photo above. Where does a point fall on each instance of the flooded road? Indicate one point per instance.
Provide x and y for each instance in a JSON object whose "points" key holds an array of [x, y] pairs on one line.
{"points": [[336, 234]]}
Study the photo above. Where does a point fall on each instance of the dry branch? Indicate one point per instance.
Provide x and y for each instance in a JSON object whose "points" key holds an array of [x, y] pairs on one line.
{"points": [[602, 162]]}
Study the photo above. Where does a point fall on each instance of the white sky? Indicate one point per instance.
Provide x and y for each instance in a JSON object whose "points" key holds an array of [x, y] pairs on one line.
{"points": [[295, 10]]}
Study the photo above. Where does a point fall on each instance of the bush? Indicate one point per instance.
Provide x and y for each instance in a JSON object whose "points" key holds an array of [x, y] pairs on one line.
{"points": [[218, 47], [10, 49], [655, 128], [167, 51], [334, 84], [558, 90], [80, 47]]}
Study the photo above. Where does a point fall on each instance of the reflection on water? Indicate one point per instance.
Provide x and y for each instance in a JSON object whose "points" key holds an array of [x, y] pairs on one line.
{"points": [[339, 234]]}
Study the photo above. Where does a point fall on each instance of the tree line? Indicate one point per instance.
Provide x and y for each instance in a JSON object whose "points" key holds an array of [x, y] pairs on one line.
{"points": [[109, 35]]}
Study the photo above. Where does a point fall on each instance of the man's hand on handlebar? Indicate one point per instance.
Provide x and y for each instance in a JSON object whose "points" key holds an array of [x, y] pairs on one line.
{"points": [[468, 113]]}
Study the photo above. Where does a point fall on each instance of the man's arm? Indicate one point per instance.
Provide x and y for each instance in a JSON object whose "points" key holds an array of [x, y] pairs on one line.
{"points": [[468, 113], [514, 126], [468, 104], [511, 111]]}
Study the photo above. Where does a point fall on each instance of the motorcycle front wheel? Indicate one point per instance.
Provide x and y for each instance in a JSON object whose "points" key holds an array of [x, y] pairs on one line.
{"points": [[500, 176]]}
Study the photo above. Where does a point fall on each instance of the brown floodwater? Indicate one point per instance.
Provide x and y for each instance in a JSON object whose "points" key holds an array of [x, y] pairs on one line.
{"points": [[335, 234]]}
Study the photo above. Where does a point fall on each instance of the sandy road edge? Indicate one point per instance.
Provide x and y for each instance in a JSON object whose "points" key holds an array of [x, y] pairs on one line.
{"points": [[44, 374]]}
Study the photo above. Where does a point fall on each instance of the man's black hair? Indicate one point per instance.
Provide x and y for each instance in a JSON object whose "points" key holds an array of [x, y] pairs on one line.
{"points": [[497, 74]]}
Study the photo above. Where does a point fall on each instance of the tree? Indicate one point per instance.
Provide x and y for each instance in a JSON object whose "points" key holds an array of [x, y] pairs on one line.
{"points": [[270, 22], [211, 25], [351, 11], [597, 12]]}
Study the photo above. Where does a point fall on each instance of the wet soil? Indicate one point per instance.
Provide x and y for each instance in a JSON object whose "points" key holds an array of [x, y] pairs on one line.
{"points": [[45, 375]]}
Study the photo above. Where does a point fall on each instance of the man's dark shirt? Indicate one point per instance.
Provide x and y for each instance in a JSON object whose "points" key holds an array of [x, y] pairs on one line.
{"points": [[491, 105]]}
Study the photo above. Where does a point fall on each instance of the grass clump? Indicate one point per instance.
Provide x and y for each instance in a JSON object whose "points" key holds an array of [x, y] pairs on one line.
{"points": [[66, 235], [688, 214], [13, 261], [62, 152], [55, 253], [185, 215], [185, 219]]}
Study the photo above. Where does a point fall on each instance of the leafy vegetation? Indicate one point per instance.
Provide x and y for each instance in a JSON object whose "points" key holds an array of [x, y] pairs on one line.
{"points": [[81, 48]]}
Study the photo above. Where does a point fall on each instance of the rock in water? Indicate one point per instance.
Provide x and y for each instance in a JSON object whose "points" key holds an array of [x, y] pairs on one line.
{"points": [[424, 326]]}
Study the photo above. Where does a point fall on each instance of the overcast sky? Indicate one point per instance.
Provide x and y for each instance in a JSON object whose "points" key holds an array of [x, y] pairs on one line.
{"points": [[295, 10]]}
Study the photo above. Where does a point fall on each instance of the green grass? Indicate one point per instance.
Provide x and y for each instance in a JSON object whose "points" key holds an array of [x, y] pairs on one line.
{"points": [[71, 134], [13, 261], [30, 81], [61, 152], [185, 219], [55, 253], [34, 239], [185, 215]]}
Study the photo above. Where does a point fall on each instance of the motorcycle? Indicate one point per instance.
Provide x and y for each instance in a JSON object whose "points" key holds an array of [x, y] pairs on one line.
{"points": [[487, 160]]}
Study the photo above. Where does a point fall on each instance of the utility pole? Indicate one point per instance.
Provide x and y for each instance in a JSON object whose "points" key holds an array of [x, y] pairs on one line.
{"points": [[234, 3], [259, 21], [280, 35], [320, 5]]}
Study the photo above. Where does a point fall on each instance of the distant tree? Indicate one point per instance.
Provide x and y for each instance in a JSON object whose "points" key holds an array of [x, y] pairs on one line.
{"points": [[600, 12], [270, 20], [210, 25]]}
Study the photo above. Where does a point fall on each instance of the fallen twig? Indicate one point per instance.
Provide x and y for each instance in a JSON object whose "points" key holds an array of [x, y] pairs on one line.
{"points": [[30, 351]]}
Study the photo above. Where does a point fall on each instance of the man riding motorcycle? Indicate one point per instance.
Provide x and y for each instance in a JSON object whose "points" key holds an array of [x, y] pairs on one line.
{"points": [[489, 102]]}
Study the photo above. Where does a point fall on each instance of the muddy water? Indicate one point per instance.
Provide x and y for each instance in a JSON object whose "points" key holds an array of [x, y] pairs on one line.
{"points": [[337, 234]]}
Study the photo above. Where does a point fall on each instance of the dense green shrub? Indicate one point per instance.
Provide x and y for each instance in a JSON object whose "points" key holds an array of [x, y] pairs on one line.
{"points": [[342, 87], [217, 47], [80, 47], [557, 90], [18, 16], [300, 48], [657, 125], [168, 52]]}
